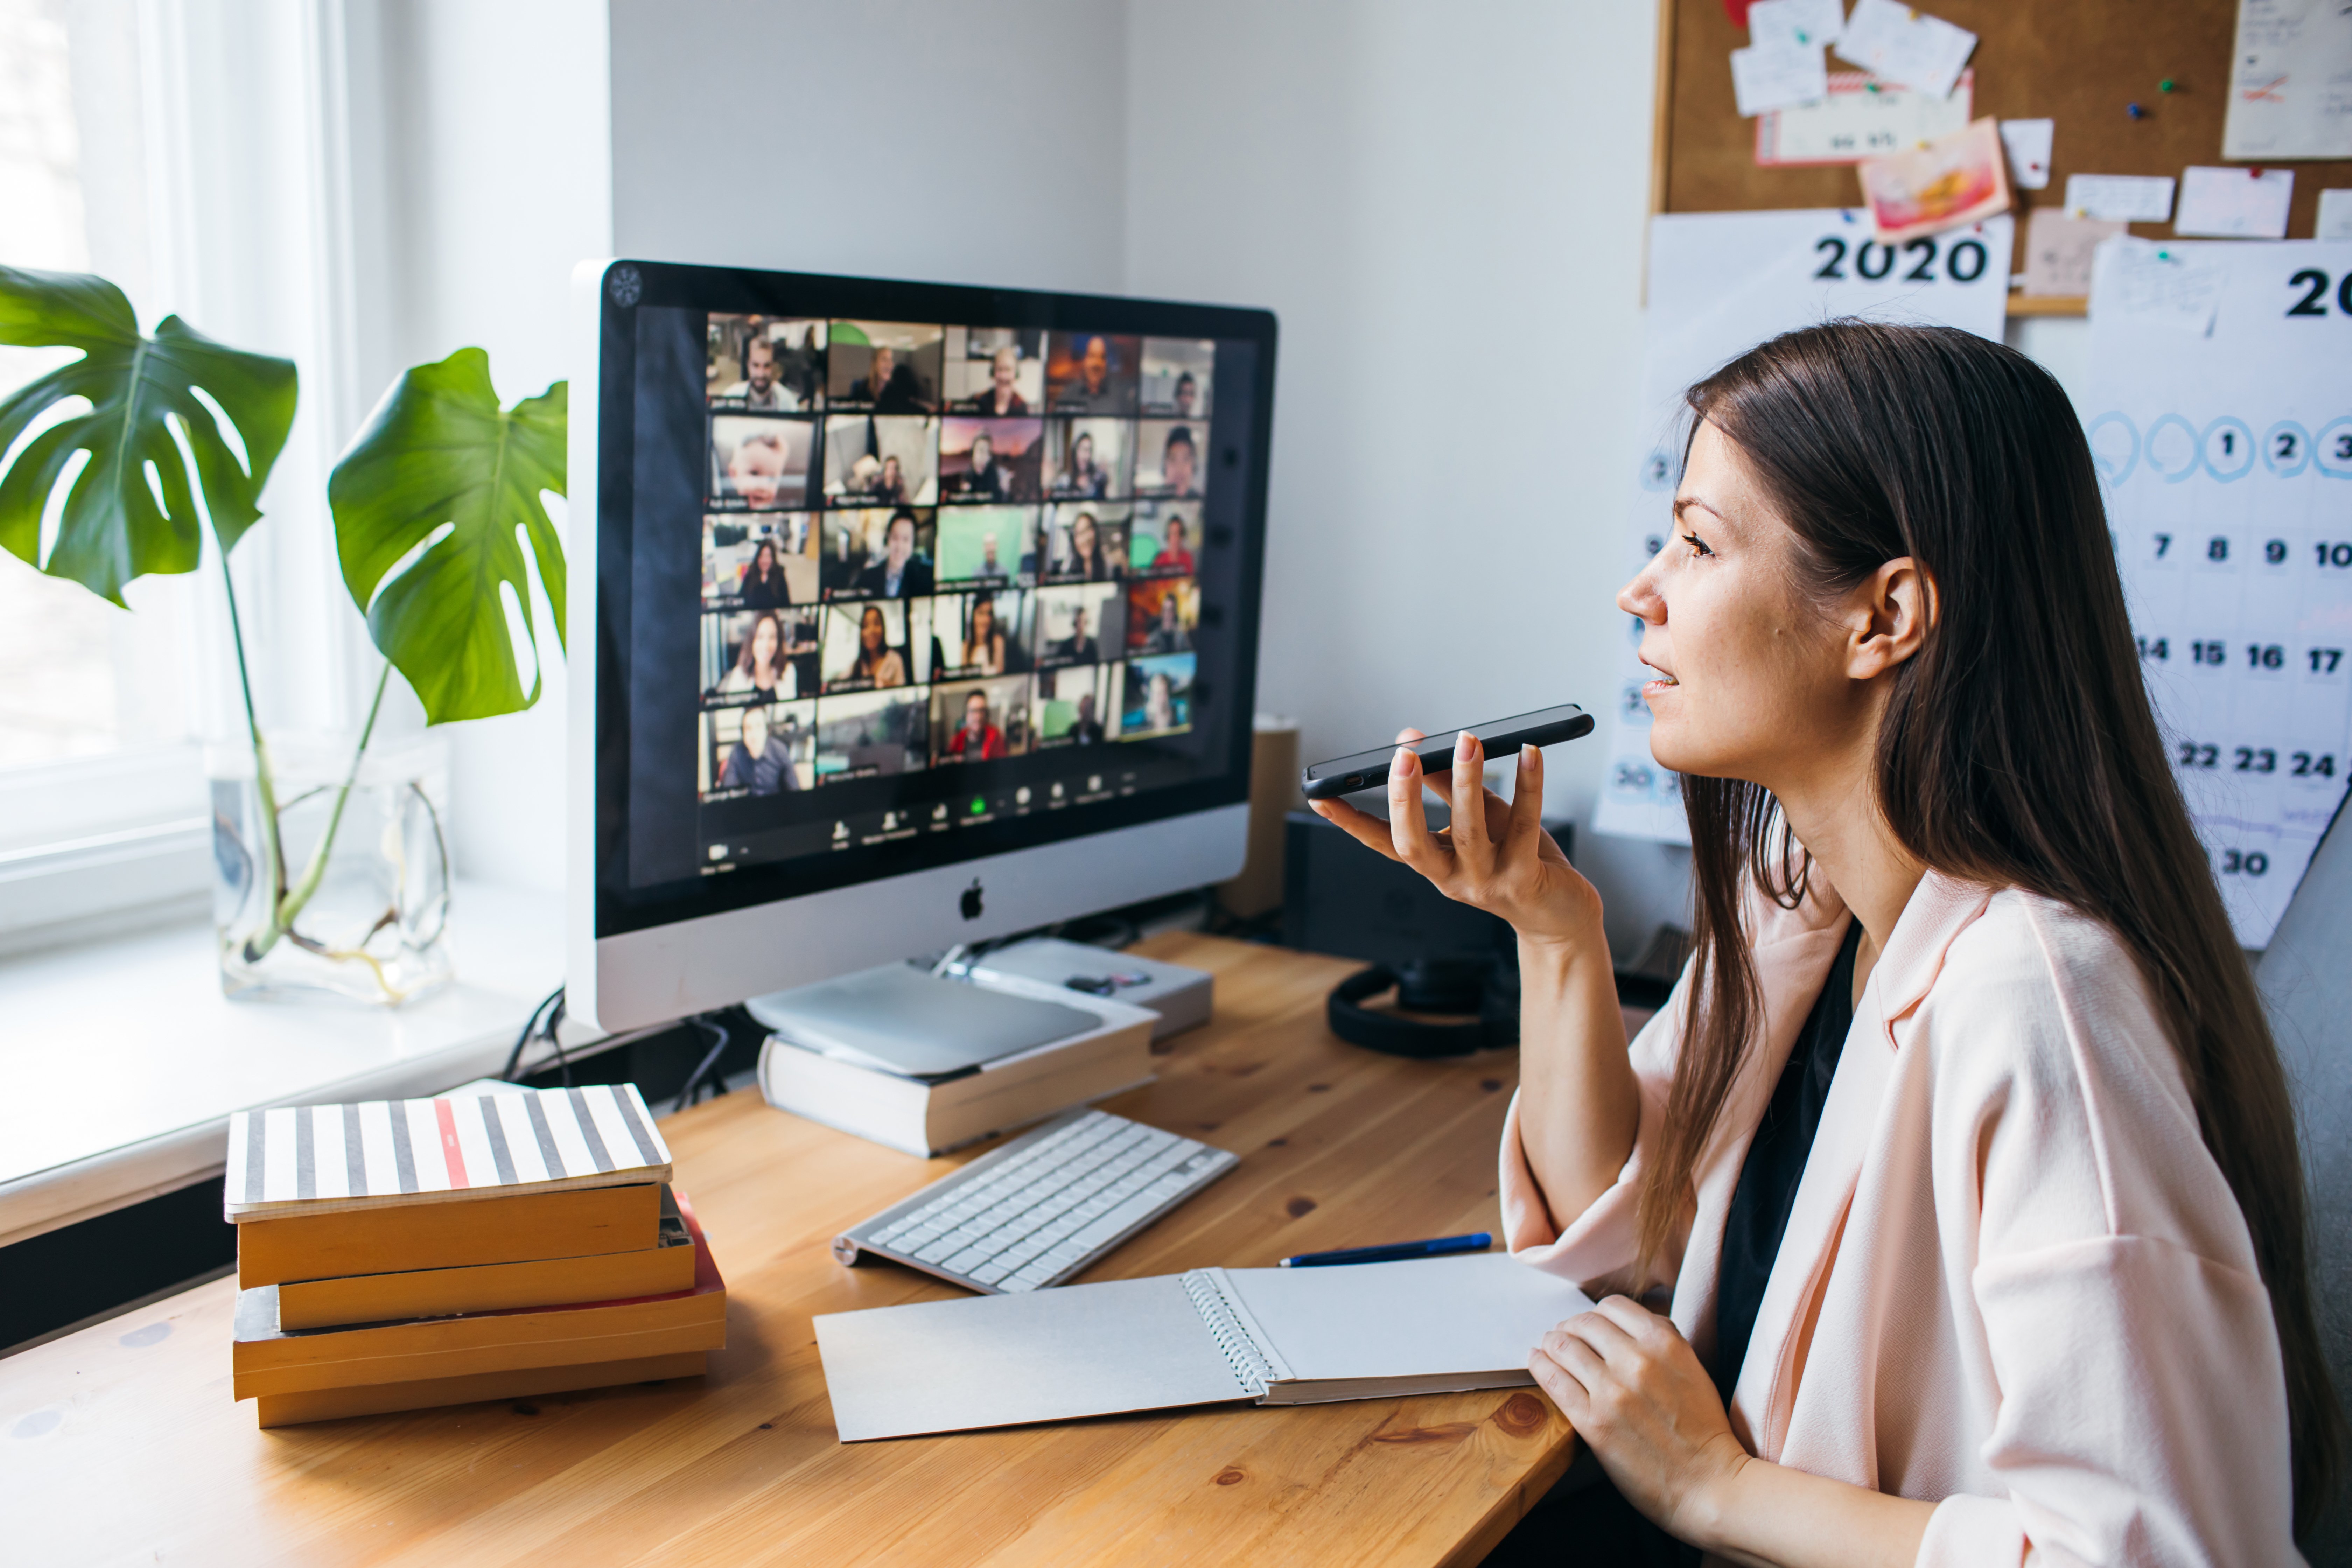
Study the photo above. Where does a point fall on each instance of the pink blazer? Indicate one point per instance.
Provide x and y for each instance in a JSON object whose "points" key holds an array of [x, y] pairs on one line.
{"points": [[2013, 1281]]}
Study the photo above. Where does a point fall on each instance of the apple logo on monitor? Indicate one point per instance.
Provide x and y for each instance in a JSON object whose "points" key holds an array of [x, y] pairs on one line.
{"points": [[970, 903]]}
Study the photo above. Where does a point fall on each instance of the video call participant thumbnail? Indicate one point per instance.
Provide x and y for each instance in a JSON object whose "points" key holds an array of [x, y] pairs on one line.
{"points": [[871, 460], [1092, 373], [766, 362], [1161, 613], [885, 367], [981, 634], [1080, 624], [876, 643], [1159, 696], [1073, 707], [998, 371], [760, 463], [990, 459], [755, 656], [759, 564], [1168, 458], [1164, 538], [1086, 544], [1176, 376], [979, 722], [764, 749], [879, 553], [869, 735], [1089, 459], [983, 544]]}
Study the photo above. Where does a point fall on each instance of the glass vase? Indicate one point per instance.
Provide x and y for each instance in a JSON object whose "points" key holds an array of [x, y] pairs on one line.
{"points": [[374, 928]]}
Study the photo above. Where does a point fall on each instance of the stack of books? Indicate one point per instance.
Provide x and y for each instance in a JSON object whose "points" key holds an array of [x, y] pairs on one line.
{"points": [[397, 1255]]}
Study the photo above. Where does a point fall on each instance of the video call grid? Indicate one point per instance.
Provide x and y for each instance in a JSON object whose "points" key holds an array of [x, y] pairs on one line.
{"points": [[932, 544]]}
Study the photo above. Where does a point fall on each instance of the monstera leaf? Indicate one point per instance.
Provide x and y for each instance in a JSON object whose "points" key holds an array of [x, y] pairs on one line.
{"points": [[443, 467], [115, 525]]}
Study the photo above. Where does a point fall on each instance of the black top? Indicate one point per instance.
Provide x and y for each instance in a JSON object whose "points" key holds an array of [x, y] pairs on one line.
{"points": [[1776, 1162]]}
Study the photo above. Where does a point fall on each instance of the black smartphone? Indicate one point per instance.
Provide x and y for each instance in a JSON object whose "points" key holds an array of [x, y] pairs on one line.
{"points": [[1345, 775]]}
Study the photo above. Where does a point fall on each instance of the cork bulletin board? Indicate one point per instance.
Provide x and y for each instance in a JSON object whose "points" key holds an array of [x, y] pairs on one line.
{"points": [[2079, 63]]}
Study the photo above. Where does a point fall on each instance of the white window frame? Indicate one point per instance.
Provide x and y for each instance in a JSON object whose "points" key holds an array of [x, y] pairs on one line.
{"points": [[245, 138]]}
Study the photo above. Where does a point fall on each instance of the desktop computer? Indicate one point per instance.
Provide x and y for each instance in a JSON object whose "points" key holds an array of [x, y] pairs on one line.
{"points": [[906, 615]]}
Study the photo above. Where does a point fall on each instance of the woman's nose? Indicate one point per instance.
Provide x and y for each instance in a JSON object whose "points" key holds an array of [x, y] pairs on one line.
{"points": [[1640, 596]]}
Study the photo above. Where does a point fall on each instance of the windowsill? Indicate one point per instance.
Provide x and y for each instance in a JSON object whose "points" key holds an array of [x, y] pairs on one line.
{"points": [[121, 1060]]}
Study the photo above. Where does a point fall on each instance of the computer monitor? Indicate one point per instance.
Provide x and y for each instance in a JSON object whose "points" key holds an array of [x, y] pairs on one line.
{"points": [[905, 614]]}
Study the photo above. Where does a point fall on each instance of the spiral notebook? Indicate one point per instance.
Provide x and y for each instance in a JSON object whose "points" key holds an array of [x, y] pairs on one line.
{"points": [[1275, 1336]]}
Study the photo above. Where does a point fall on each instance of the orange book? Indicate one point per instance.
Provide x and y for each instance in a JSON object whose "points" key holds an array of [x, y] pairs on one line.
{"points": [[269, 1359], [665, 1267], [449, 1235], [425, 1394]]}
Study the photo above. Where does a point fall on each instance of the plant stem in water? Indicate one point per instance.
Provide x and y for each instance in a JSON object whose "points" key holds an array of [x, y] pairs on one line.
{"points": [[272, 876], [290, 906]]}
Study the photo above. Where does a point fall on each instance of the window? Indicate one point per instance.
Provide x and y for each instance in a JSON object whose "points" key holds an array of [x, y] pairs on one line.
{"points": [[95, 750]]}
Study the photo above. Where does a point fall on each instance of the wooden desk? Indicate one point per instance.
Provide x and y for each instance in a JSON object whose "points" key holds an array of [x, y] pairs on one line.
{"points": [[122, 1441]]}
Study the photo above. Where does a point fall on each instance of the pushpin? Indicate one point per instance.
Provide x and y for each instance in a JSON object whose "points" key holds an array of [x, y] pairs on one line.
{"points": [[2135, 110], [2164, 85], [1870, 86]]}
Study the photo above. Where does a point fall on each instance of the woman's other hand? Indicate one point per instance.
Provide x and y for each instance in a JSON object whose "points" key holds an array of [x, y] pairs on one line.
{"points": [[1495, 855], [1633, 1389]]}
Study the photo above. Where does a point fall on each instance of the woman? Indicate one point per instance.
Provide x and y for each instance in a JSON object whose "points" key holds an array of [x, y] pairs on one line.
{"points": [[1086, 559], [760, 665], [763, 587], [891, 485], [2015, 1262], [983, 646], [1160, 704], [1081, 478], [877, 664]]}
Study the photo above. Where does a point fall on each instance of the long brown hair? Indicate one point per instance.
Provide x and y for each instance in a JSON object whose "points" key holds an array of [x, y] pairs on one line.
{"points": [[2017, 749]]}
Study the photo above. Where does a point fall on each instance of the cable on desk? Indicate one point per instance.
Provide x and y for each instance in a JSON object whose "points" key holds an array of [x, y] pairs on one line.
{"points": [[544, 1021], [709, 1064]]}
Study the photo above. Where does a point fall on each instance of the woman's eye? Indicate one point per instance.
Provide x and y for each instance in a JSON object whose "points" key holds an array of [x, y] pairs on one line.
{"points": [[1697, 544]]}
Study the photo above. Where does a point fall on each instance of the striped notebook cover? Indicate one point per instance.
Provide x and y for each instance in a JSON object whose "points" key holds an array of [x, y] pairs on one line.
{"points": [[381, 1154]]}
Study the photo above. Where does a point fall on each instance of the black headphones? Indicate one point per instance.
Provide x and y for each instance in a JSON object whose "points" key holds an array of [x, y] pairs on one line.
{"points": [[1489, 988]]}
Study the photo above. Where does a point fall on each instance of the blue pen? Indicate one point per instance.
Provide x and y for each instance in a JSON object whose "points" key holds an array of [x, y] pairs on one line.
{"points": [[1438, 1248]]}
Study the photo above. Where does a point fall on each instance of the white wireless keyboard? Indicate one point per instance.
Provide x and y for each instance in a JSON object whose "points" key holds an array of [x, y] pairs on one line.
{"points": [[1043, 1207]]}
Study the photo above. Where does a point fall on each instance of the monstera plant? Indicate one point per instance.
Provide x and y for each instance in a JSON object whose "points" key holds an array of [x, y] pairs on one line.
{"points": [[437, 507]]}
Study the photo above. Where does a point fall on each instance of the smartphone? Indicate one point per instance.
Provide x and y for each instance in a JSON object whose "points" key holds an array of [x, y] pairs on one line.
{"points": [[1345, 775]]}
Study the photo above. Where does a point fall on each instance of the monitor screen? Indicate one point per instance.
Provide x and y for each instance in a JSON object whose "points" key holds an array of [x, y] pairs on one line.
{"points": [[892, 576]]}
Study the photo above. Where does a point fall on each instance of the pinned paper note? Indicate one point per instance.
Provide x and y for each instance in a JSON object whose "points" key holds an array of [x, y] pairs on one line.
{"points": [[1896, 43], [1861, 117], [1795, 24], [2234, 203], [2059, 251], [2027, 143], [2288, 81], [1959, 179], [1768, 77], [2335, 215], [2125, 198], [2146, 282]]}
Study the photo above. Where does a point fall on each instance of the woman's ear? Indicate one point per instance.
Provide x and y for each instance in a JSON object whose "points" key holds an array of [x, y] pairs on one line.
{"points": [[1895, 609]]}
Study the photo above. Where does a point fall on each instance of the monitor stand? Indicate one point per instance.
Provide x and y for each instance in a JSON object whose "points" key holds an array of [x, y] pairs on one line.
{"points": [[907, 1021]]}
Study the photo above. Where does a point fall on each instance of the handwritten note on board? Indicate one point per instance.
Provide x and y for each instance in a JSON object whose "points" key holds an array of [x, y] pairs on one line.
{"points": [[1896, 43], [2290, 82], [2234, 203]]}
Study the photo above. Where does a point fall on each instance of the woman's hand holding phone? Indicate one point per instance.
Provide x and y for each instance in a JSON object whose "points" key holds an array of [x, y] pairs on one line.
{"points": [[1494, 856]]}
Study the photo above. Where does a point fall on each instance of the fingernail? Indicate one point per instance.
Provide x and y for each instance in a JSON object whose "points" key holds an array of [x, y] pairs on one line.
{"points": [[1405, 758]]}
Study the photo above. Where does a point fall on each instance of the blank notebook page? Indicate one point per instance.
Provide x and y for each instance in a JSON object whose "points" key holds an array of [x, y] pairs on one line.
{"points": [[1004, 1360], [1420, 1317]]}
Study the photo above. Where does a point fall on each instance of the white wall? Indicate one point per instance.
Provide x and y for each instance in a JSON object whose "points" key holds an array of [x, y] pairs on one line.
{"points": [[890, 138], [1451, 234]]}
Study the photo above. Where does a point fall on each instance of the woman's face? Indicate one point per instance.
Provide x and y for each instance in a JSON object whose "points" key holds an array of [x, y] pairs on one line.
{"points": [[764, 643], [1082, 454], [870, 630], [1753, 681], [764, 561], [1082, 537], [1001, 370], [889, 470], [983, 621]]}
